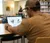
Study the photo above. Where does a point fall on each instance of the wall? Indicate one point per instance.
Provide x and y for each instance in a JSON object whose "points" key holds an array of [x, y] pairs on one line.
{"points": [[1, 7], [17, 5], [8, 3], [22, 3]]}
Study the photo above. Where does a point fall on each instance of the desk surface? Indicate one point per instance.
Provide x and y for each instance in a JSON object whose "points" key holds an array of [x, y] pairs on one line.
{"points": [[7, 35], [4, 34], [2, 30]]}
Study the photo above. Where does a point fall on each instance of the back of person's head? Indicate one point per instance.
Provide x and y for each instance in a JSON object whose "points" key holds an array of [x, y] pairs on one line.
{"points": [[33, 4]]}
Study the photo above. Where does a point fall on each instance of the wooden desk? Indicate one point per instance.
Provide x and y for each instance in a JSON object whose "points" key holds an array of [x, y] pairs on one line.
{"points": [[4, 32]]}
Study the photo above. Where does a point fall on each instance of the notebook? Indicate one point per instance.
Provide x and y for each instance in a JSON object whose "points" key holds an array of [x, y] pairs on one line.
{"points": [[14, 20]]}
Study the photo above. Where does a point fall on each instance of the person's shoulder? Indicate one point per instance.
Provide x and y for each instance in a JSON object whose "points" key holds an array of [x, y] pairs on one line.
{"points": [[42, 15], [36, 17], [46, 14]]}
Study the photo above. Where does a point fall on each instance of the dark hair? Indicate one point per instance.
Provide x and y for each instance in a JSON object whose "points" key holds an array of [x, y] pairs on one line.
{"points": [[37, 6], [34, 8], [20, 10]]}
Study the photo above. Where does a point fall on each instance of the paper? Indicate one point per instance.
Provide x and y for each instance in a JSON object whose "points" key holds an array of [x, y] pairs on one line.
{"points": [[2, 29], [14, 21]]}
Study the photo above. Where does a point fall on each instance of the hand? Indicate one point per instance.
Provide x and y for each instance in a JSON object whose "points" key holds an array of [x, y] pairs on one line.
{"points": [[8, 27]]}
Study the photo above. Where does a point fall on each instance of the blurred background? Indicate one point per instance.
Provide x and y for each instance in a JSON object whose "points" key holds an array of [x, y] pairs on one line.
{"points": [[12, 7]]}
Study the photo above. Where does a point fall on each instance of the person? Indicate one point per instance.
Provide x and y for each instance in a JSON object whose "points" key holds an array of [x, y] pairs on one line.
{"points": [[21, 13], [37, 25]]}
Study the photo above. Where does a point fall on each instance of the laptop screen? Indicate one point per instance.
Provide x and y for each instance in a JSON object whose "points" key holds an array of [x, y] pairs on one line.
{"points": [[14, 20]]}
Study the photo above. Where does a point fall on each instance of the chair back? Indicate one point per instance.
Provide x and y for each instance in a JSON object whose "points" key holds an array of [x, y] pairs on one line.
{"points": [[43, 40]]}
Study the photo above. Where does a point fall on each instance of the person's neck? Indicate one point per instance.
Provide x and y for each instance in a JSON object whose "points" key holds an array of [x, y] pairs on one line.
{"points": [[36, 13]]}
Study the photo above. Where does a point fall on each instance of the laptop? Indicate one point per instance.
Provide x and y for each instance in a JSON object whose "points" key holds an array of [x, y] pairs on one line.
{"points": [[14, 20]]}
